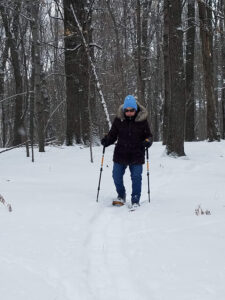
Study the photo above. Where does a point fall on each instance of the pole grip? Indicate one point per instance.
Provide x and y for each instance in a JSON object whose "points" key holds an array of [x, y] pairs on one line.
{"points": [[102, 160]]}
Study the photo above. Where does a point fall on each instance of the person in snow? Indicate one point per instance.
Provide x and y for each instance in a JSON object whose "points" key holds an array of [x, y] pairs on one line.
{"points": [[131, 131]]}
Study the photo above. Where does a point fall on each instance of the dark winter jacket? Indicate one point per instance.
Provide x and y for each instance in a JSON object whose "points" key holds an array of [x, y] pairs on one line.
{"points": [[130, 134]]}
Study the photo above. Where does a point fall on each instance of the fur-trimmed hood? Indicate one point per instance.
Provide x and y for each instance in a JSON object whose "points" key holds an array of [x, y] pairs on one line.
{"points": [[142, 113]]}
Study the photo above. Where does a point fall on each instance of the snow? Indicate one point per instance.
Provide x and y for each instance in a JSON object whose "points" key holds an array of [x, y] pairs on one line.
{"points": [[59, 244]]}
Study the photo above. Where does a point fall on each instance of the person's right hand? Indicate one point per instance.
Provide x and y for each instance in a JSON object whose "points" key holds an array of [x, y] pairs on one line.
{"points": [[105, 141], [147, 143]]}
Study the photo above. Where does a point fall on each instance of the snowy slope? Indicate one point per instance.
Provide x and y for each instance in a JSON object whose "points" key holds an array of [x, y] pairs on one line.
{"points": [[59, 244]]}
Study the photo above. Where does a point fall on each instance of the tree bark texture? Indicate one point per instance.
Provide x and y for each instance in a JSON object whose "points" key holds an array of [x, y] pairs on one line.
{"points": [[166, 105], [76, 69], [119, 68], [38, 99], [190, 104], [205, 17], [140, 82], [31, 107], [223, 76], [2, 73], [157, 99], [175, 140], [18, 128]]}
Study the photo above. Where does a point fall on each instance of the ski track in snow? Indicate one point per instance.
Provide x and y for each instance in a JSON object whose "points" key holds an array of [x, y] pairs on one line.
{"points": [[59, 244], [108, 262]]}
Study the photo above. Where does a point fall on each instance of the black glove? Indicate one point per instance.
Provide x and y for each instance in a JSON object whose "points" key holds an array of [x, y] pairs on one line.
{"points": [[105, 141], [147, 143]]}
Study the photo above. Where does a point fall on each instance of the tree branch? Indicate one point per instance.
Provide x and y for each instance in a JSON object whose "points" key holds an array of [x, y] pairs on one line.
{"points": [[13, 96], [217, 13]]}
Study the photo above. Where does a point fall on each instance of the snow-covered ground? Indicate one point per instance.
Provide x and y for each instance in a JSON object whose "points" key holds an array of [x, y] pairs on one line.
{"points": [[59, 244]]}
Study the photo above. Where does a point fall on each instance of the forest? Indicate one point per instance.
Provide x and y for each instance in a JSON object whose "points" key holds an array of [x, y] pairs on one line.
{"points": [[66, 66]]}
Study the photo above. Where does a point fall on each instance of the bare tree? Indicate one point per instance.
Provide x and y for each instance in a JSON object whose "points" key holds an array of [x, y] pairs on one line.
{"points": [[38, 98], [205, 16], [190, 105], [167, 94], [2, 73], [175, 139], [140, 82], [76, 68], [64, 72], [13, 41], [119, 68], [223, 72]]}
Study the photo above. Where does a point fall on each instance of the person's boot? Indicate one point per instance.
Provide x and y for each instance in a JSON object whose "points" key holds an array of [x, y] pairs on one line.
{"points": [[134, 206], [135, 200], [120, 201]]}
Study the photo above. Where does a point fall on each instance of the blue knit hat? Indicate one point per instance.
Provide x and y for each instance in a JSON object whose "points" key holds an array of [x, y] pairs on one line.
{"points": [[130, 101]]}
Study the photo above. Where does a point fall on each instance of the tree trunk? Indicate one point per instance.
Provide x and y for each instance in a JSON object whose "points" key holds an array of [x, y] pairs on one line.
{"points": [[45, 101], [118, 58], [223, 76], [92, 65], [190, 104], [38, 100], [145, 64], [158, 80], [175, 141], [2, 75], [32, 105], [18, 128], [140, 82], [77, 77], [166, 105], [205, 16]]}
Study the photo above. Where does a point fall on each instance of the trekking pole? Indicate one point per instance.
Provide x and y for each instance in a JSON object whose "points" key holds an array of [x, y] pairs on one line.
{"points": [[148, 174], [100, 172]]}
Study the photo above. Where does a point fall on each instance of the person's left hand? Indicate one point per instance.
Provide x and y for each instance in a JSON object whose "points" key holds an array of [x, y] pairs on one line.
{"points": [[147, 143], [105, 141]]}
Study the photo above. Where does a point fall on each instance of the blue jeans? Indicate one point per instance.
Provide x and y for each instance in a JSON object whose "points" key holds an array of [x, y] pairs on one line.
{"points": [[136, 177]]}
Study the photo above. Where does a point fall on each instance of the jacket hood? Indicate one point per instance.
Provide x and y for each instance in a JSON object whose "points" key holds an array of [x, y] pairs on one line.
{"points": [[142, 113]]}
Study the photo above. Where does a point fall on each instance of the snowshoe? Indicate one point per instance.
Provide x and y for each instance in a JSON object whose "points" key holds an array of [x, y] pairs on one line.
{"points": [[119, 201], [134, 206]]}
